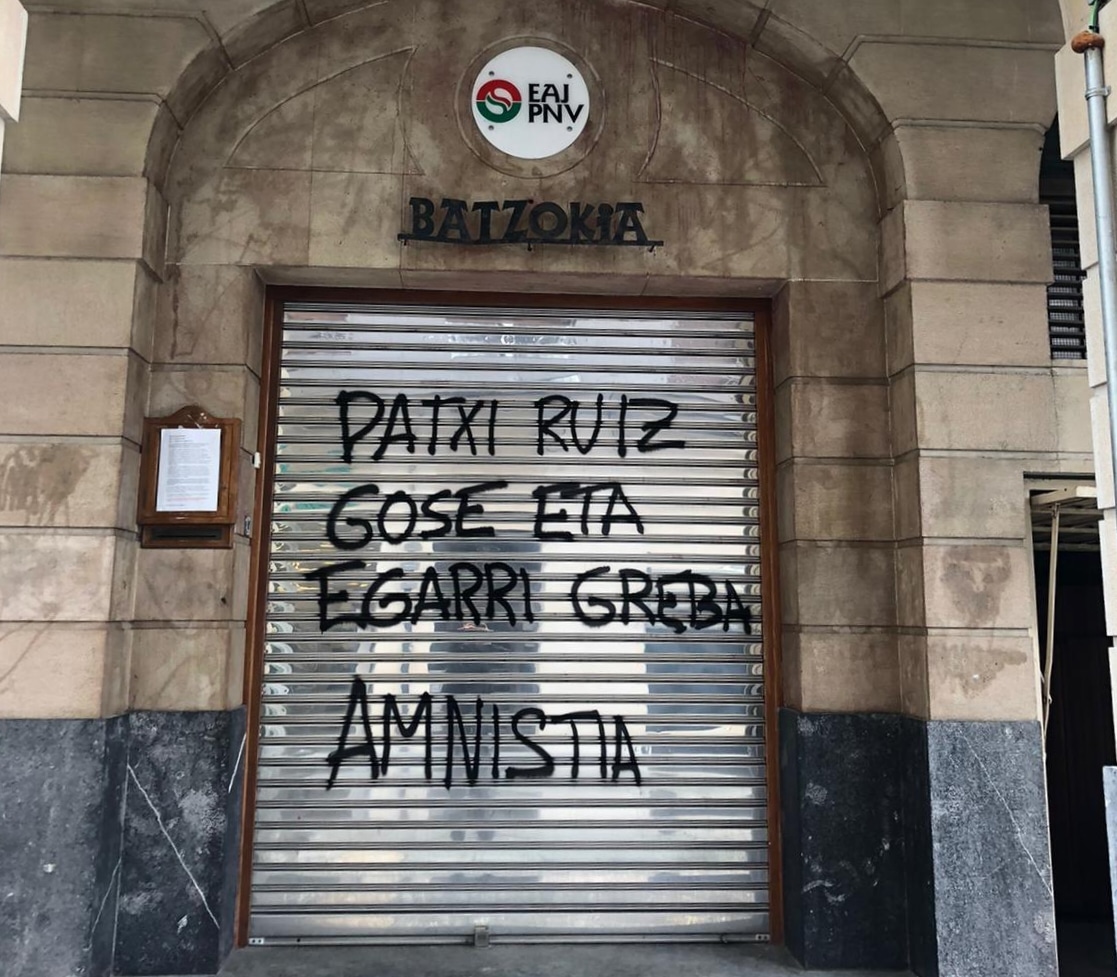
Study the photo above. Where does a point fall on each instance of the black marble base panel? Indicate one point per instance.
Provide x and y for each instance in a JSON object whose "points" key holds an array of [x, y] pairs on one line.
{"points": [[60, 828], [840, 789], [916, 844], [179, 845], [118, 843], [994, 910], [905, 843]]}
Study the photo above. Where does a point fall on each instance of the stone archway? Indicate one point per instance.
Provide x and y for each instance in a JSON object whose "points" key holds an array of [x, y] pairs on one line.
{"points": [[298, 166]]}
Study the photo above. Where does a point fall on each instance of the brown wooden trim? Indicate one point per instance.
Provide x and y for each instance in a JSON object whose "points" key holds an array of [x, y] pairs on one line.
{"points": [[257, 603], [770, 608], [278, 296], [505, 300]]}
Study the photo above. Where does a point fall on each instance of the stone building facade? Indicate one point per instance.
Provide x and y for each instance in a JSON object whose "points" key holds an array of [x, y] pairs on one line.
{"points": [[867, 169]]}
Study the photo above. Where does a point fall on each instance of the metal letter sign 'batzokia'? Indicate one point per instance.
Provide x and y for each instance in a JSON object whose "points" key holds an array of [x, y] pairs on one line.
{"points": [[528, 222], [530, 102]]}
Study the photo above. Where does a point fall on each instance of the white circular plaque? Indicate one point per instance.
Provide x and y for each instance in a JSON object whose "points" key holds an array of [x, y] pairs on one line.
{"points": [[530, 102]]}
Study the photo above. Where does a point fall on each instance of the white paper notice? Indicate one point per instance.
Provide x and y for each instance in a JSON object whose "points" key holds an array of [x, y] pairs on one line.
{"points": [[189, 469]]}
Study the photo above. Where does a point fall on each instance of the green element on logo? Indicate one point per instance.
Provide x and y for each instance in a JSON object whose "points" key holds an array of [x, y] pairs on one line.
{"points": [[499, 101]]}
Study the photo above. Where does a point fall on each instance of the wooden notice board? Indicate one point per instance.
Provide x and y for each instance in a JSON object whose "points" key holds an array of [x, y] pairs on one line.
{"points": [[188, 480]]}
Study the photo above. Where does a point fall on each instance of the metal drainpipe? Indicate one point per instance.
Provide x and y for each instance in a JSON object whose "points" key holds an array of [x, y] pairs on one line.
{"points": [[1091, 43]]}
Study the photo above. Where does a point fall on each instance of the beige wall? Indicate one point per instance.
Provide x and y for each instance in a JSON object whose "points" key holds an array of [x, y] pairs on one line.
{"points": [[871, 166], [13, 35]]}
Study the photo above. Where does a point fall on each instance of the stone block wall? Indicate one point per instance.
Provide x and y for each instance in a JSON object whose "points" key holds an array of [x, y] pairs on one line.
{"points": [[872, 167]]}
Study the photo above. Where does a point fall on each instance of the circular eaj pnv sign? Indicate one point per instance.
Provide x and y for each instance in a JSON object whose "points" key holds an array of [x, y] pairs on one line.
{"points": [[530, 102]]}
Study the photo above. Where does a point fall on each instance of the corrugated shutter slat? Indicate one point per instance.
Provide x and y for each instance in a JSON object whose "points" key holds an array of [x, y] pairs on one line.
{"points": [[680, 855]]}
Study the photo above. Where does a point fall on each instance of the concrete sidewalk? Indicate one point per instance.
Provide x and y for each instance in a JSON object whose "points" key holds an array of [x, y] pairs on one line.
{"points": [[554, 960]]}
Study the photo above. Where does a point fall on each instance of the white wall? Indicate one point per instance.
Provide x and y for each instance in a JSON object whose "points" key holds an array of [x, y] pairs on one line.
{"points": [[13, 36]]}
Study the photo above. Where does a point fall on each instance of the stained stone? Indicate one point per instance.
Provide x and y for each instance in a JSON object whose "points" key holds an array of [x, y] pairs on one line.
{"points": [[59, 844], [993, 903], [172, 877], [118, 843], [843, 845]]}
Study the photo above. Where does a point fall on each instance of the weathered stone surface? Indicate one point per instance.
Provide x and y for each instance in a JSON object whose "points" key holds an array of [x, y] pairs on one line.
{"points": [[838, 26], [172, 875], [962, 323], [224, 391], [268, 26], [218, 584], [60, 484], [982, 677], [60, 834], [96, 52], [81, 136], [954, 82], [206, 314], [306, 91], [970, 163], [839, 584], [54, 302], [960, 496], [841, 671], [182, 668], [826, 501], [910, 611], [990, 242], [1072, 397], [1002, 411], [992, 864], [73, 216], [53, 670], [34, 590], [114, 831], [823, 419], [840, 784], [62, 393], [970, 585], [828, 329]]}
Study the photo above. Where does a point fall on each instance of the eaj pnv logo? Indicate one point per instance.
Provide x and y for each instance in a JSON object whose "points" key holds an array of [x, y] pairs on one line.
{"points": [[557, 102], [499, 101]]}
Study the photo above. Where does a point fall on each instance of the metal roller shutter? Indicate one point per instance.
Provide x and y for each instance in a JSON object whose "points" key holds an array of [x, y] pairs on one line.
{"points": [[643, 815]]}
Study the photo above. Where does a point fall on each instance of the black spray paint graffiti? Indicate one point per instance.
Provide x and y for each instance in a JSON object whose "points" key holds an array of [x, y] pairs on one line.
{"points": [[568, 411], [498, 591], [560, 423], [400, 429], [400, 510], [392, 721]]}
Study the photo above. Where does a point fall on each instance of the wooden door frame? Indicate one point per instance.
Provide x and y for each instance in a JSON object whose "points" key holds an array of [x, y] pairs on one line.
{"points": [[278, 296]]}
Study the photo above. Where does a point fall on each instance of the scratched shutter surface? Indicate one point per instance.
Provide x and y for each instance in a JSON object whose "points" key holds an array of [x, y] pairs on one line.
{"points": [[402, 858]]}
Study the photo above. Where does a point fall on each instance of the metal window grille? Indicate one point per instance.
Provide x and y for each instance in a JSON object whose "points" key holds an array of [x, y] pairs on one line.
{"points": [[1066, 322]]}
